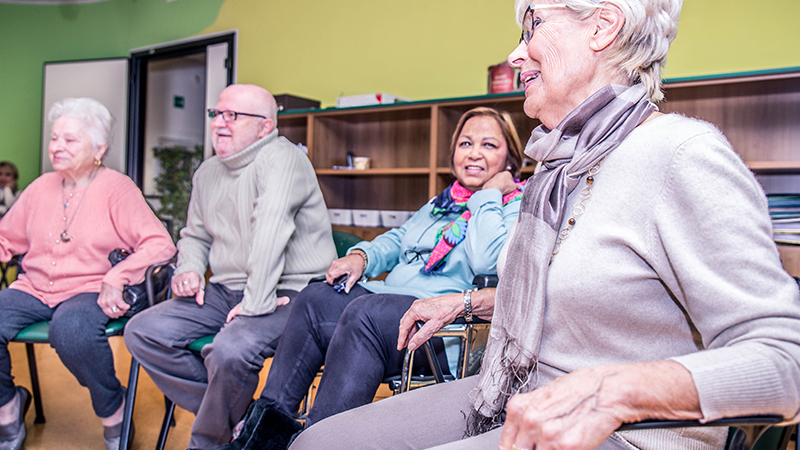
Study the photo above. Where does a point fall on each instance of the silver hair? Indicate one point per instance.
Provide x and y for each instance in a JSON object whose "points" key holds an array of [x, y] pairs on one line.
{"points": [[95, 116], [640, 50]]}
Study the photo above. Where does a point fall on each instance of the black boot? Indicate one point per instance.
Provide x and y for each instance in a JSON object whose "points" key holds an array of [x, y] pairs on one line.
{"points": [[265, 428]]}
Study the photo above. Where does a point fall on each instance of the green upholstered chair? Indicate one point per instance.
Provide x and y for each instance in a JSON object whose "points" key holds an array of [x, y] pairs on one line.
{"points": [[37, 333], [342, 240]]}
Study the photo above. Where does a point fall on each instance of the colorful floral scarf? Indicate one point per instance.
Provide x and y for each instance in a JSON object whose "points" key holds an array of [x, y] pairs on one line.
{"points": [[454, 200]]}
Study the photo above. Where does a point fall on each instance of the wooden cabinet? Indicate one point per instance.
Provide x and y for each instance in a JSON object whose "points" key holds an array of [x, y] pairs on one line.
{"points": [[409, 143]]}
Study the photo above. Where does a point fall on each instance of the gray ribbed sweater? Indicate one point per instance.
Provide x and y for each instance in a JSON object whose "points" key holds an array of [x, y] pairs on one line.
{"points": [[676, 236], [258, 220]]}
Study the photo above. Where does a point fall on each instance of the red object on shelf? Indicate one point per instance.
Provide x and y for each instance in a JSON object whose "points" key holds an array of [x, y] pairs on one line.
{"points": [[503, 78]]}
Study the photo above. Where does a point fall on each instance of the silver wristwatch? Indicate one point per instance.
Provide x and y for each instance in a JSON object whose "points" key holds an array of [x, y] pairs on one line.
{"points": [[468, 304]]}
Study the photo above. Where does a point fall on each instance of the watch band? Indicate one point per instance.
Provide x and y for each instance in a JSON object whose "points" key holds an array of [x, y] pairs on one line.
{"points": [[468, 304]]}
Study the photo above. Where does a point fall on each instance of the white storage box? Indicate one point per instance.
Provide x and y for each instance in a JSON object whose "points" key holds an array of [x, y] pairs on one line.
{"points": [[366, 218], [368, 99], [342, 217], [393, 219]]}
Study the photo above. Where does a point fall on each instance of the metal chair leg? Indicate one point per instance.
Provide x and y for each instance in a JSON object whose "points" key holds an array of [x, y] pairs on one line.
{"points": [[130, 399], [168, 420], [37, 393]]}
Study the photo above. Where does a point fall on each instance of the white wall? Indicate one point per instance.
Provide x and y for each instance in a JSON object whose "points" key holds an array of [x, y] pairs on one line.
{"points": [[166, 124]]}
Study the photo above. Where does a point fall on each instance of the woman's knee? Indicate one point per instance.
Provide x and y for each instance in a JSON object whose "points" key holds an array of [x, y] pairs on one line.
{"points": [[69, 332], [374, 311]]}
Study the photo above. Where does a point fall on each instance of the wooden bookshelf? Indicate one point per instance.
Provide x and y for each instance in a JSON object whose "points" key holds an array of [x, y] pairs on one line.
{"points": [[408, 143]]}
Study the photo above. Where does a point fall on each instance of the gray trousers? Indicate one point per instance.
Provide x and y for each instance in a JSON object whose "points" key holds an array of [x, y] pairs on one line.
{"points": [[218, 385], [431, 417]]}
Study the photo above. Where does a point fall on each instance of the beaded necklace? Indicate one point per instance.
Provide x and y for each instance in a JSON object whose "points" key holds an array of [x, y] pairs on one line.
{"points": [[65, 237], [578, 209]]}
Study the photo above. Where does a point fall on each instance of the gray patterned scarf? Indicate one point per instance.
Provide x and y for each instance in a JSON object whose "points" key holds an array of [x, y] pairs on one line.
{"points": [[583, 138]]}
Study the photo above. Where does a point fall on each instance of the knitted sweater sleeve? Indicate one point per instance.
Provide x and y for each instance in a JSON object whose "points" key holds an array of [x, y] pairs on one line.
{"points": [[717, 257], [195, 242], [142, 232], [285, 181]]}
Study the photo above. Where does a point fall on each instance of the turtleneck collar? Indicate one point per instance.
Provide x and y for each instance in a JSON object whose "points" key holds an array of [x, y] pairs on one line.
{"points": [[248, 155]]}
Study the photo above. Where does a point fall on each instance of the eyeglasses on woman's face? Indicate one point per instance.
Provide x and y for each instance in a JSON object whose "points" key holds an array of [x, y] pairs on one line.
{"points": [[530, 23], [229, 116]]}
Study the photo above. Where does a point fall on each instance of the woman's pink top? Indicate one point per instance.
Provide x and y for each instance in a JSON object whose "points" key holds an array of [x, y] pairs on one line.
{"points": [[109, 213]]}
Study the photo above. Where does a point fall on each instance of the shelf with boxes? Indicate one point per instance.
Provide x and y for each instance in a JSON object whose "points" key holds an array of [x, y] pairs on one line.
{"points": [[409, 143]]}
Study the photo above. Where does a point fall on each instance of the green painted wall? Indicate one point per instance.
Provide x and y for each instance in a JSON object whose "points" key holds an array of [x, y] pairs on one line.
{"points": [[420, 49], [32, 35]]}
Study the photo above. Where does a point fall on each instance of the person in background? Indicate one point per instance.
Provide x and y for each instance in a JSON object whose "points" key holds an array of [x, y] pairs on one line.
{"points": [[8, 185], [640, 282], [351, 327], [66, 223], [258, 221]]}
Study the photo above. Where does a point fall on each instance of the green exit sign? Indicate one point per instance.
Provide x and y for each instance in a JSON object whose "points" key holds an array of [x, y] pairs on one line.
{"points": [[178, 101]]}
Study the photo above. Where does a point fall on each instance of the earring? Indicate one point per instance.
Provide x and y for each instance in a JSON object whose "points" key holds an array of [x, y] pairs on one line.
{"points": [[508, 167], [97, 162]]}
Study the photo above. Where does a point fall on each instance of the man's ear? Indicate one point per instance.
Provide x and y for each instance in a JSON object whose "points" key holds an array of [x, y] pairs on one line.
{"points": [[608, 22], [266, 128]]}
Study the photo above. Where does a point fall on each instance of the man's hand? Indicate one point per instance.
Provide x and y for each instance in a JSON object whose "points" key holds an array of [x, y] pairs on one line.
{"points": [[237, 310], [189, 284]]}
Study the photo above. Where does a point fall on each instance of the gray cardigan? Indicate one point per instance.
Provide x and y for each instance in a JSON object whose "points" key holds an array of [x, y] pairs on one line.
{"points": [[258, 220], [674, 258]]}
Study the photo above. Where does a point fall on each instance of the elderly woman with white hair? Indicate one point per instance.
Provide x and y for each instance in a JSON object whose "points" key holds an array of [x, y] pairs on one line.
{"points": [[66, 223], [641, 280]]}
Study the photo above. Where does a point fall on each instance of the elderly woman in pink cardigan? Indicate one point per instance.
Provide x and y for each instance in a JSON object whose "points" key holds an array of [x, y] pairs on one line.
{"points": [[66, 223]]}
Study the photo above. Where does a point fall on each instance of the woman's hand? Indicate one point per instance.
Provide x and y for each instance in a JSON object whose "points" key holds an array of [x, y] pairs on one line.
{"points": [[436, 312], [189, 284], [111, 302], [580, 410], [502, 181], [352, 265], [439, 311]]}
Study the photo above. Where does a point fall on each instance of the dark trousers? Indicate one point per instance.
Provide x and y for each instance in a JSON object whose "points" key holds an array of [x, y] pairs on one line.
{"points": [[218, 385], [354, 335], [77, 333]]}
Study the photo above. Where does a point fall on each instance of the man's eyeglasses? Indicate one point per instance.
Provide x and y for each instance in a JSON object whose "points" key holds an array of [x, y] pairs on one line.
{"points": [[229, 116], [530, 24], [413, 255]]}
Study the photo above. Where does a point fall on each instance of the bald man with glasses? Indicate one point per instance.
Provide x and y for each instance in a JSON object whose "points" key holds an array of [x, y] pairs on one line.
{"points": [[258, 221]]}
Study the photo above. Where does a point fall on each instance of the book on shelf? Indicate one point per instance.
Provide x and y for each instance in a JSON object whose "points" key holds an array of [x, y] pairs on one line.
{"points": [[784, 210]]}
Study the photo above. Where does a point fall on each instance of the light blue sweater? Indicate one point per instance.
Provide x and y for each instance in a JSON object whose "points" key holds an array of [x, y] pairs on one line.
{"points": [[477, 254]]}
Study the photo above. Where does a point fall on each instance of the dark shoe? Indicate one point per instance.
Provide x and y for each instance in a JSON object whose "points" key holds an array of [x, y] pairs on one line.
{"points": [[13, 434], [265, 428]]}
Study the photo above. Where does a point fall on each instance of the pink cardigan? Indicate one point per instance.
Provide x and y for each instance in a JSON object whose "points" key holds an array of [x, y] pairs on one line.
{"points": [[115, 215]]}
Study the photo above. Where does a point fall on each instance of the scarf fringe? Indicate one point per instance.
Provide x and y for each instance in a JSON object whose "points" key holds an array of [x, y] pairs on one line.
{"points": [[515, 377]]}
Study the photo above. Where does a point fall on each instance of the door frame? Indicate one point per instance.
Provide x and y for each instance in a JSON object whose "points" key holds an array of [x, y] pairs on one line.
{"points": [[137, 89]]}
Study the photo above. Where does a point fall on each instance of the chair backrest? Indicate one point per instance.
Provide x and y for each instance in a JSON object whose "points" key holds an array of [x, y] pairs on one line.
{"points": [[343, 241]]}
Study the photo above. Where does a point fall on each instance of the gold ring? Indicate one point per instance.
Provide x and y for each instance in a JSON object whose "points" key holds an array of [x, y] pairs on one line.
{"points": [[514, 447]]}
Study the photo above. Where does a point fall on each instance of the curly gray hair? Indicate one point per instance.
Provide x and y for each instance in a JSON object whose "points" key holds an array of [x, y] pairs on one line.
{"points": [[640, 50], [95, 116]]}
